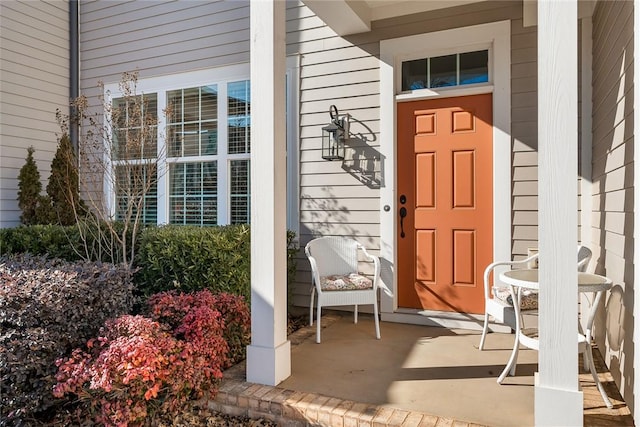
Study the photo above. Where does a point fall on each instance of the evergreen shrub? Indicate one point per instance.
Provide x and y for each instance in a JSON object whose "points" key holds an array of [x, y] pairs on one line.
{"points": [[190, 258], [29, 188], [63, 188], [70, 243]]}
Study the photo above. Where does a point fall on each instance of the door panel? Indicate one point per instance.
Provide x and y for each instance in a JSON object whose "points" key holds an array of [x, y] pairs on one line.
{"points": [[445, 172]]}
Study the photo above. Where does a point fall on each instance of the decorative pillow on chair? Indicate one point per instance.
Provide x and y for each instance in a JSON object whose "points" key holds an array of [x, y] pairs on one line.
{"points": [[348, 282], [528, 299]]}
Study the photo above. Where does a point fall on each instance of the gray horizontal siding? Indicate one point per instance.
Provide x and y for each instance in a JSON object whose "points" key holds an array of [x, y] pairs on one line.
{"points": [[612, 176], [524, 129], [34, 83], [160, 38]]}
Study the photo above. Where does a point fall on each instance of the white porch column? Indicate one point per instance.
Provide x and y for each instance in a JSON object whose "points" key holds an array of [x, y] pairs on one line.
{"points": [[557, 398], [269, 355]]}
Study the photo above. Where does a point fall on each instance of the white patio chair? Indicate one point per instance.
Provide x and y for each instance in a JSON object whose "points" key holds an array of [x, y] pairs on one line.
{"points": [[336, 279], [497, 297]]}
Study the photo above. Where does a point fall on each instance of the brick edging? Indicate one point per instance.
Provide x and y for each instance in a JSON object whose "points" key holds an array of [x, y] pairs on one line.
{"points": [[292, 408]]}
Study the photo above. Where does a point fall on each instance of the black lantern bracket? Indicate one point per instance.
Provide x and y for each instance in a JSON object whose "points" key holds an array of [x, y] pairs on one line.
{"points": [[334, 135]]}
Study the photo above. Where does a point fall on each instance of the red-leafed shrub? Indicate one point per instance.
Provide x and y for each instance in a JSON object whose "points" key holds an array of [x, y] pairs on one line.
{"points": [[175, 309], [138, 366], [47, 308]]}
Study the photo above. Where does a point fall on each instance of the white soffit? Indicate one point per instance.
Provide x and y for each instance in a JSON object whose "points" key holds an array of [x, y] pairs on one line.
{"points": [[344, 17], [355, 16], [382, 9], [530, 11]]}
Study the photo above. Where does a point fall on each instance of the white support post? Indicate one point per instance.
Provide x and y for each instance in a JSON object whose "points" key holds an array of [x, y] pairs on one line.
{"points": [[269, 355], [557, 398]]}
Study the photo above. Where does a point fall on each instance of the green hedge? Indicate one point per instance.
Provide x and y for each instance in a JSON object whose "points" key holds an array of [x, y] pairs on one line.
{"points": [[190, 258], [55, 241], [187, 258], [64, 242]]}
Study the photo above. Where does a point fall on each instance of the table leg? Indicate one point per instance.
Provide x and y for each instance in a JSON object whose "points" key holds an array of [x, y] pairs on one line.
{"points": [[511, 364], [588, 350]]}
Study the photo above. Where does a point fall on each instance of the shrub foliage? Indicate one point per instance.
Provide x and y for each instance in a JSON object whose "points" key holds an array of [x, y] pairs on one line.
{"points": [[81, 241], [171, 257], [172, 307], [189, 258], [63, 188], [138, 365], [29, 187], [48, 307]]}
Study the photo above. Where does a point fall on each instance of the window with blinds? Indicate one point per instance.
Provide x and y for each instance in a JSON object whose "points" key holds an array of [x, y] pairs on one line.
{"points": [[239, 192], [193, 197], [137, 192], [134, 150], [205, 150]]}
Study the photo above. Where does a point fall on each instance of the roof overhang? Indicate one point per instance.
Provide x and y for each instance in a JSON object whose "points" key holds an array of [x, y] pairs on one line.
{"points": [[347, 17], [530, 11]]}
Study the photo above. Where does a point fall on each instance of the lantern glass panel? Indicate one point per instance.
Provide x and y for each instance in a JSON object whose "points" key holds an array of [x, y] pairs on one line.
{"points": [[332, 143]]}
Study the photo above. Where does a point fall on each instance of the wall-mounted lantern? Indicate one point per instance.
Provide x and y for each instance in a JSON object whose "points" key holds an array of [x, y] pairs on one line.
{"points": [[334, 135]]}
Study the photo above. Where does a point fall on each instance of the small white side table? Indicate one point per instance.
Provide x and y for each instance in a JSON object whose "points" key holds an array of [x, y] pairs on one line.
{"points": [[528, 278]]}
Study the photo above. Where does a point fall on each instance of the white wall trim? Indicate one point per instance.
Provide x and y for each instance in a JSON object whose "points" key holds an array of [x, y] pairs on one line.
{"points": [[636, 208], [293, 143], [190, 79], [417, 95], [498, 36], [586, 214]]}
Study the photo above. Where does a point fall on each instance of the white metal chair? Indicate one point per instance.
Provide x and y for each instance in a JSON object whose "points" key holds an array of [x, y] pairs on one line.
{"points": [[497, 296], [336, 279]]}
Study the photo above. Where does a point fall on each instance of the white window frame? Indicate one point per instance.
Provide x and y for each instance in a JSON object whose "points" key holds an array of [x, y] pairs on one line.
{"points": [[293, 145], [434, 53], [220, 76]]}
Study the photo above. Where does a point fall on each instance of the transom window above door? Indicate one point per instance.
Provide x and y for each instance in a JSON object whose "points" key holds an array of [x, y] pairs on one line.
{"points": [[449, 70]]}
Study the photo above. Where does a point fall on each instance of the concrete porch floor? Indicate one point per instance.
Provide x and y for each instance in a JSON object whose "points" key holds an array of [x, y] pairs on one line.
{"points": [[415, 375]]}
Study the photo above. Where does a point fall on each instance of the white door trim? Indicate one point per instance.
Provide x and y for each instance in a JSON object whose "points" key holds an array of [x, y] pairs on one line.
{"points": [[497, 36]]}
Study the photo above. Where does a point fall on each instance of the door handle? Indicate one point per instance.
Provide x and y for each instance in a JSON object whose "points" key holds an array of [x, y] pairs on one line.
{"points": [[403, 213]]}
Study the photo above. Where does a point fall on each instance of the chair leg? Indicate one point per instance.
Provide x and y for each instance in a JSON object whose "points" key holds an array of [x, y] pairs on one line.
{"points": [[355, 314], [485, 329], [318, 322], [375, 318], [313, 292]]}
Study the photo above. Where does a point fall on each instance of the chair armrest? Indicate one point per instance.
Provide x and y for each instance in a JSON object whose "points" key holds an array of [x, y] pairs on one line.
{"points": [[315, 276], [493, 265], [376, 271]]}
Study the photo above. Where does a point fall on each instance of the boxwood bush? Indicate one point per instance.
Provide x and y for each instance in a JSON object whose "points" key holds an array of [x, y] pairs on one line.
{"points": [[70, 243], [190, 258], [48, 307], [53, 240]]}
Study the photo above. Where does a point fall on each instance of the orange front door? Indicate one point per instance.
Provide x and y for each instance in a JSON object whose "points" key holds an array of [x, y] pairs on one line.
{"points": [[445, 202]]}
